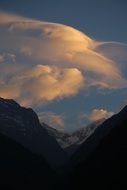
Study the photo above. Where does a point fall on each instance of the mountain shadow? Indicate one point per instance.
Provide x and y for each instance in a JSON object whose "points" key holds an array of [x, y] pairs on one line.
{"points": [[22, 125], [21, 169], [106, 166]]}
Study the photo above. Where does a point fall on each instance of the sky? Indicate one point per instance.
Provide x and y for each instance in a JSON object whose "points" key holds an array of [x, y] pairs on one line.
{"points": [[65, 59]]}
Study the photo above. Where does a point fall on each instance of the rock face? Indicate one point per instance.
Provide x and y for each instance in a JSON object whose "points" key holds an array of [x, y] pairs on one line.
{"points": [[22, 125], [106, 166], [70, 142]]}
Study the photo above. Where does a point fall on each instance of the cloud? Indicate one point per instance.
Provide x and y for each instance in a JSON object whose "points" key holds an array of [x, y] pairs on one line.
{"points": [[42, 83], [51, 61], [9, 17], [1, 59], [52, 119], [98, 114], [7, 57], [117, 52]]}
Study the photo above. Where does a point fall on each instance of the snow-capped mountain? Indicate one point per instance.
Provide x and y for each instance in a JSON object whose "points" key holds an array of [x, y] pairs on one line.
{"points": [[70, 142]]}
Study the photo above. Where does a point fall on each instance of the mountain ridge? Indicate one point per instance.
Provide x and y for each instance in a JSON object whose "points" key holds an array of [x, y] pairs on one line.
{"points": [[106, 166], [71, 141], [22, 124]]}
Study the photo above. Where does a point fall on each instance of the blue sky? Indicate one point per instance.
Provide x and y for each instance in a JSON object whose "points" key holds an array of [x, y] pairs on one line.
{"points": [[100, 20]]}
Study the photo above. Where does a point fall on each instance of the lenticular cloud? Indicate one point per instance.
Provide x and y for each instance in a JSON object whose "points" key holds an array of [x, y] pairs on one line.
{"points": [[42, 61]]}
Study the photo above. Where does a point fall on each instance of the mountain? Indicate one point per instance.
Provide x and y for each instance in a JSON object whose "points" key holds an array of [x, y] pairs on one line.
{"points": [[21, 169], [100, 161], [22, 125], [106, 166], [80, 136], [70, 142], [90, 144], [60, 136]]}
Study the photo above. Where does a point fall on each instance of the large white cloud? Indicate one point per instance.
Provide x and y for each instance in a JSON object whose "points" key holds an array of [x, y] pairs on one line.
{"points": [[41, 61]]}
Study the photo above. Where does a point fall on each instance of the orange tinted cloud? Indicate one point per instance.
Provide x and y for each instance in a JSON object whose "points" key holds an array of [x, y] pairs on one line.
{"points": [[56, 61], [43, 83], [98, 114]]}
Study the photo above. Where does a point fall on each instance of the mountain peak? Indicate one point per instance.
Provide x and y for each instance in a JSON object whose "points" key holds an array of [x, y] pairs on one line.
{"points": [[22, 125], [106, 163], [8, 102]]}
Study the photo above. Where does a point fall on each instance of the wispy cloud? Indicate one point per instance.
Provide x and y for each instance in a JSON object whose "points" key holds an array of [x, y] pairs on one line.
{"points": [[53, 61], [52, 119]]}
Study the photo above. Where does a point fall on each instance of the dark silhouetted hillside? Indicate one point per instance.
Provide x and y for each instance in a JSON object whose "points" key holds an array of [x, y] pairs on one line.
{"points": [[22, 125], [106, 167], [21, 169]]}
